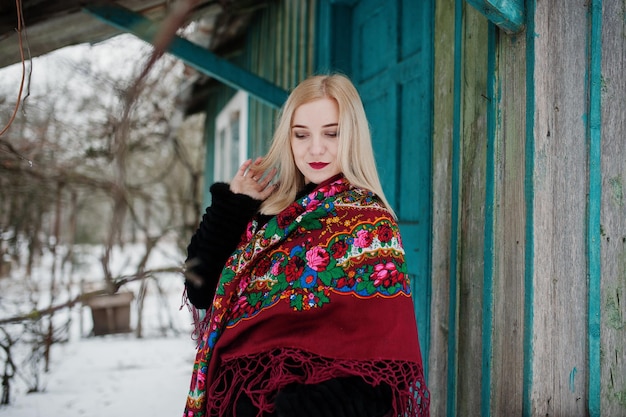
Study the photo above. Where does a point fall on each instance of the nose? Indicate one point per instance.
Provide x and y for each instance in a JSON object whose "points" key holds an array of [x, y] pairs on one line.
{"points": [[317, 146]]}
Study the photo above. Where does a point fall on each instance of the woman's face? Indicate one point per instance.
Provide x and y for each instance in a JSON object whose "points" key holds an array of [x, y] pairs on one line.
{"points": [[314, 139]]}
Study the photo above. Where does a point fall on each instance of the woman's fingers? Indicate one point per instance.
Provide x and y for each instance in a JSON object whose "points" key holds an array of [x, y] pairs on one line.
{"points": [[262, 177], [248, 169], [243, 168], [252, 181]]}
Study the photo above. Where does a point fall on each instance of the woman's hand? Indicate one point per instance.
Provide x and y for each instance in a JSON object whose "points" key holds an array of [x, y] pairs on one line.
{"points": [[249, 180]]}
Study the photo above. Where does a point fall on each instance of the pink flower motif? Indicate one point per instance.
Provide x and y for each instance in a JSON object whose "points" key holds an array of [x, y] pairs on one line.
{"points": [[249, 233], [276, 268], [201, 381], [240, 303], [382, 272], [317, 258], [363, 239], [312, 204], [243, 284], [331, 189]]}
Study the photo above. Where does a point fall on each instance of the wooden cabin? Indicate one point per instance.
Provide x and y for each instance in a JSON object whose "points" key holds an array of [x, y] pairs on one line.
{"points": [[499, 132], [499, 128], [500, 135]]}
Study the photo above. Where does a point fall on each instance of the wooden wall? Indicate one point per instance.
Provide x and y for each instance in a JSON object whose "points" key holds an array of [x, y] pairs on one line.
{"points": [[522, 268], [529, 213]]}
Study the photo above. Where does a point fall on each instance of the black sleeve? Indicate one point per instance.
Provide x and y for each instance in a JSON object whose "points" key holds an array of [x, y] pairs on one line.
{"points": [[337, 397], [217, 236]]}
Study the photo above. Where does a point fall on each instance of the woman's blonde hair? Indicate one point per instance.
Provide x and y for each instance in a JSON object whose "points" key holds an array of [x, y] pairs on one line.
{"points": [[355, 154]]}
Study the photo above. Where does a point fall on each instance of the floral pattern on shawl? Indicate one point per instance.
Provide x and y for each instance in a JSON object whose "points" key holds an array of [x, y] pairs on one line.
{"points": [[308, 274], [305, 255]]}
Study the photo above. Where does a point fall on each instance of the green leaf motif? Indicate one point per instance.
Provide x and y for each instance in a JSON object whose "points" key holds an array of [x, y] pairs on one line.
{"points": [[311, 223], [338, 272], [323, 299], [362, 285], [254, 298], [227, 276], [326, 277], [271, 229], [280, 285], [296, 302]]}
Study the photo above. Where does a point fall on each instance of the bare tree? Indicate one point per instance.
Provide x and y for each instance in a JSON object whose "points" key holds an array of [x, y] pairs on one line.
{"points": [[92, 159]]}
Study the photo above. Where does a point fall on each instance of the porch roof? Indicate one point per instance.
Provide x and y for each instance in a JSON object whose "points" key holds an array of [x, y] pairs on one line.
{"points": [[50, 25]]}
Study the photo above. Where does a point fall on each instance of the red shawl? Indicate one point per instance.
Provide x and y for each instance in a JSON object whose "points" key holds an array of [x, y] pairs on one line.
{"points": [[321, 291]]}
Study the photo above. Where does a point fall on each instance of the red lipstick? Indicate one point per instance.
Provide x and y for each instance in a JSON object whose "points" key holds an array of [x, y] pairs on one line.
{"points": [[318, 165]]}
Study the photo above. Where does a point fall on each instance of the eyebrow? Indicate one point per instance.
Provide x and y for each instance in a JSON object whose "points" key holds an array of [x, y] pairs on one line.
{"points": [[306, 127]]}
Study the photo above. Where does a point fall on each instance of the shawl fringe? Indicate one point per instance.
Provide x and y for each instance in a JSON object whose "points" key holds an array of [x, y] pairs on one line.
{"points": [[200, 318], [261, 375]]}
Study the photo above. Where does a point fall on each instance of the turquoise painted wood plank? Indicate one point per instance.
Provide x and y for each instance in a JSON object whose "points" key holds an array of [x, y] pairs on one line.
{"points": [[508, 15], [201, 59], [594, 136], [489, 250]]}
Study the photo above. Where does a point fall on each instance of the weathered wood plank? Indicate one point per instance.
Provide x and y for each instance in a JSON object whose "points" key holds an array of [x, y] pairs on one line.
{"points": [[510, 218], [442, 182], [472, 210], [613, 211], [559, 356], [509, 229]]}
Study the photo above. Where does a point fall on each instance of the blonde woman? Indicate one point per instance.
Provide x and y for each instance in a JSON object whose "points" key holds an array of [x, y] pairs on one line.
{"points": [[300, 265]]}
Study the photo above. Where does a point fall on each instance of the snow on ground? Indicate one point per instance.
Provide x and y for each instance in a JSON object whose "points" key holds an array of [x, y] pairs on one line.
{"points": [[117, 375], [113, 376]]}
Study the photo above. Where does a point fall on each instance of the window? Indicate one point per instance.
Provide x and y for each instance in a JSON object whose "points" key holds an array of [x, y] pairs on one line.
{"points": [[231, 137]]}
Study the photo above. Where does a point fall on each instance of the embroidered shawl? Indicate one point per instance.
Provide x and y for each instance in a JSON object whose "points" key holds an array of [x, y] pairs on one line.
{"points": [[321, 291]]}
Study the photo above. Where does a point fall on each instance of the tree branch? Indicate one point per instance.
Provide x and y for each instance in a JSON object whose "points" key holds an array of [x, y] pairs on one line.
{"points": [[81, 298]]}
